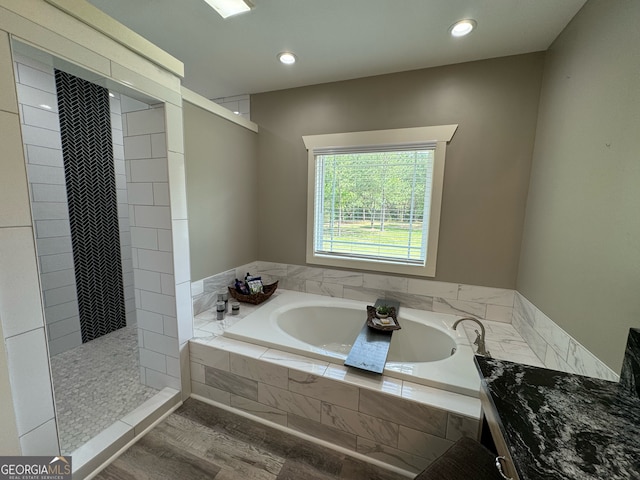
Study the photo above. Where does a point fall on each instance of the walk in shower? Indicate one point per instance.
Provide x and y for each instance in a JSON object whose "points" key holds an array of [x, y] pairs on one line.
{"points": [[88, 168]]}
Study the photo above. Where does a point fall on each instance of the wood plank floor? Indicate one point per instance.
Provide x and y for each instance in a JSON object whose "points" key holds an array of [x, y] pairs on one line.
{"points": [[199, 441]]}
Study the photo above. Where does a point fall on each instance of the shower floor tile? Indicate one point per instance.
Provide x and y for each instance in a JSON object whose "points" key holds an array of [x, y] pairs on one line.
{"points": [[96, 384]]}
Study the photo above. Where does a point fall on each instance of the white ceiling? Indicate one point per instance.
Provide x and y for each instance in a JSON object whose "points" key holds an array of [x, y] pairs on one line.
{"points": [[334, 39]]}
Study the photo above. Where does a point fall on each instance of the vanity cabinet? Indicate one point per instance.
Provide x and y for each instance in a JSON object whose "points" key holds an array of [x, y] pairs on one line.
{"points": [[550, 425]]}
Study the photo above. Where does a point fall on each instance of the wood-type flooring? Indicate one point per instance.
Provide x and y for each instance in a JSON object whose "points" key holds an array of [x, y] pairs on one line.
{"points": [[199, 441]]}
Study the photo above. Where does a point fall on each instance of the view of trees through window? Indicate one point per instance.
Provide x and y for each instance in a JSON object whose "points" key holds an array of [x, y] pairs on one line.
{"points": [[373, 204]]}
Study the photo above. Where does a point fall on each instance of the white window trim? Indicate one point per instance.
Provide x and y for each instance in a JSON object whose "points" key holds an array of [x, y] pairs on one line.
{"points": [[440, 135]]}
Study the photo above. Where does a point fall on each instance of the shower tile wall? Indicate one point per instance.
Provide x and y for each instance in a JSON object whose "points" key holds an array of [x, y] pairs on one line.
{"points": [[145, 148], [43, 152]]}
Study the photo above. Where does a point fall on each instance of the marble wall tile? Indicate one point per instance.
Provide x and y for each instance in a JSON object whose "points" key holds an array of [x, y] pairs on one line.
{"points": [[305, 273], [585, 363], [242, 348], [372, 381], [252, 267], [231, 383], [526, 359], [343, 277], [385, 282], [295, 284], [272, 374], [404, 412], [197, 288], [554, 347], [498, 313], [272, 269], [363, 294], [324, 288], [211, 393], [210, 357], [324, 389], [459, 426], [378, 419], [297, 362], [324, 432], [290, 402], [493, 296], [219, 282], [533, 339], [524, 309], [360, 424], [422, 444], [554, 361], [197, 372], [203, 302], [459, 307], [419, 302], [433, 289], [392, 456], [259, 410], [440, 399], [555, 336]]}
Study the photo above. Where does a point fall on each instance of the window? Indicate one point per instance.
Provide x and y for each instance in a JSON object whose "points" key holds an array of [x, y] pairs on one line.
{"points": [[374, 199]]}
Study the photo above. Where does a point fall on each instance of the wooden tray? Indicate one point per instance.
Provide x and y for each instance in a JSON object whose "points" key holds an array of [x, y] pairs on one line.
{"points": [[372, 317], [254, 298]]}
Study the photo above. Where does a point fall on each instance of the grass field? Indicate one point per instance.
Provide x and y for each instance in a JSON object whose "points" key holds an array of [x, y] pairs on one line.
{"points": [[390, 242]]}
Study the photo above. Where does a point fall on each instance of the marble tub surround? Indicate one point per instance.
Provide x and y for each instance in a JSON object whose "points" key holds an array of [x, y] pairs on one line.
{"points": [[458, 299], [204, 292], [562, 425], [325, 328], [394, 421], [483, 302], [553, 346], [504, 342]]}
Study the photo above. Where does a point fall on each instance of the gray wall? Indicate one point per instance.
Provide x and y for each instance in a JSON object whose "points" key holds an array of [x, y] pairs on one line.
{"points": [[495, 102], [222, 192], [580, 261]]}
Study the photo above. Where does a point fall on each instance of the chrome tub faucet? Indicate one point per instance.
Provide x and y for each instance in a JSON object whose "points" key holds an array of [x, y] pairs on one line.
{"points": [[480, 339]]}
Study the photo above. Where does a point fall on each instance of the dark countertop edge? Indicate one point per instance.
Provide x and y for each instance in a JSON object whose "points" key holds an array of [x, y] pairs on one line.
{"points": [[498, 419]]}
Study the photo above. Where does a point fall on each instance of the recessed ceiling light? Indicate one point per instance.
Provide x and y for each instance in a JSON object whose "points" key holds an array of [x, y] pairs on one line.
{"points": [[287, 58], [462, 28], [227, 8]]}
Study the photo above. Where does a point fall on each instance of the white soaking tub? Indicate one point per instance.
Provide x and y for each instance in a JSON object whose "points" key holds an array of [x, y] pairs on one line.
{"points": [[426, 350]]}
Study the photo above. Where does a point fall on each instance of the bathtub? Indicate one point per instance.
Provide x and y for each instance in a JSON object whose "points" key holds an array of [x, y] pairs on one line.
{"points": [[426, 350]]}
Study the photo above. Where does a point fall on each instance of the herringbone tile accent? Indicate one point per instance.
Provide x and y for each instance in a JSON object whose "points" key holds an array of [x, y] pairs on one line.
{"points": [[87, 148]]}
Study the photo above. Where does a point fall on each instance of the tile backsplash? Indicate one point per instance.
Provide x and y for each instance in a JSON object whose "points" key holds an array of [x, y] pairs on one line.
{"points": [[555, 348]]}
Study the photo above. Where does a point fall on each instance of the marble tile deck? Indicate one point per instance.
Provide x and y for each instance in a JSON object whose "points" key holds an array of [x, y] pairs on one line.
{"points": [[504, 342], [199, 441], [96, 384], [502, 339]]}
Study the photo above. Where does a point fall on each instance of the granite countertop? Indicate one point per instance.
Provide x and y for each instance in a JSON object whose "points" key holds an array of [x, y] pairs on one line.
{"points": [[560, 425]]}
